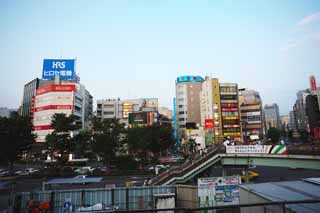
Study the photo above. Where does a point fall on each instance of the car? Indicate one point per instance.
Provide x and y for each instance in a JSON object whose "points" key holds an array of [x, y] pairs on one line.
{"points": [[4, 173], [160, 166], [84, 170], [102, 171], [80, 176], [27, 171]]}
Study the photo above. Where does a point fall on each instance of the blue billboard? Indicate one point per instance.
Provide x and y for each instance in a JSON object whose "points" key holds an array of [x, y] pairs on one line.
{"points": [[62, 67]]}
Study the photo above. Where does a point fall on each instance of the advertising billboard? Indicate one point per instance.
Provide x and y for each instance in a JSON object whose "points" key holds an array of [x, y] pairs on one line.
{"points": [[208, 123], [65, 68], [257, 149], [138, 118], [219, 191]]}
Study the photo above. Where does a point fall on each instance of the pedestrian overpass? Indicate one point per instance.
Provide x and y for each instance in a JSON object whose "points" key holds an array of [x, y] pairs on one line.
{"points": [[242, 156]]}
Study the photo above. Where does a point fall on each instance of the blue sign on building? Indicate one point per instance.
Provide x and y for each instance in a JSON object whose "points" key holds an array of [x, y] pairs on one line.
{"points": [[62, 67], [189, 78]]}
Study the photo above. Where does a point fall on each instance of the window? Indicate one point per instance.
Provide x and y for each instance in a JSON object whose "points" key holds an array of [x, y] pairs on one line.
{"points": [[181, 119], [180, 106], [181, 113], [108, 113]]}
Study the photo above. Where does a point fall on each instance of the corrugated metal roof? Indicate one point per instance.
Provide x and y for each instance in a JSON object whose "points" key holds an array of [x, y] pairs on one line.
{"points": [[288, 191], [74, 180]]}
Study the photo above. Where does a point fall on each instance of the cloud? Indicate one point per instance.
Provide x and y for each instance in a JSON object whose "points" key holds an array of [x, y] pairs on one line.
{"points": [[306, 31], [307, 20]]}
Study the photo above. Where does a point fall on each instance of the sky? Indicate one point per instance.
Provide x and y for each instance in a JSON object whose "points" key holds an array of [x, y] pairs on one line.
{"points": [[132, 49]]}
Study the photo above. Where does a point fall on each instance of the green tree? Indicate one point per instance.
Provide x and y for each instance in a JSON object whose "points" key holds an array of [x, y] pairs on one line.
{"points": [[82, 144], [108, 138], [16, 137], [274, 134], [60, 140], [147, 141]]}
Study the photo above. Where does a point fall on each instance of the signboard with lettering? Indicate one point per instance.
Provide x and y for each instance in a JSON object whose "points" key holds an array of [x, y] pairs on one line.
{"points": [[257, 149], [65, 68], [215, 191]]}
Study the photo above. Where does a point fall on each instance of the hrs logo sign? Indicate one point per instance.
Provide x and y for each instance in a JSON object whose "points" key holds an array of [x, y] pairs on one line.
{"points": [[62, 67]]}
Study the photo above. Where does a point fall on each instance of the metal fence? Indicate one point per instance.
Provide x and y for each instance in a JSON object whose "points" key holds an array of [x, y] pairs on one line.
{"points": [[118, 198]]}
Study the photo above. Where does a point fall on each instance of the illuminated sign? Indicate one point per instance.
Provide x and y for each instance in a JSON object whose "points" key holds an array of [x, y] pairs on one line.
{"points": [[188, 78], [208, 123]]}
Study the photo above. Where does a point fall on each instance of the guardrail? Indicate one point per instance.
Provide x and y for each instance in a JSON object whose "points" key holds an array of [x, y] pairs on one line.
{"points": [[281, 207]]}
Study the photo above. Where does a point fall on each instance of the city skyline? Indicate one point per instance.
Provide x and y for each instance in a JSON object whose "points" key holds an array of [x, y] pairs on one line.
{"points": [[270, 47]]}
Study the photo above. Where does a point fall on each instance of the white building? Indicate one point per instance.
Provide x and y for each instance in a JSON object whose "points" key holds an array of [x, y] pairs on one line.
{"points": [[120, 109], [67, 98]]}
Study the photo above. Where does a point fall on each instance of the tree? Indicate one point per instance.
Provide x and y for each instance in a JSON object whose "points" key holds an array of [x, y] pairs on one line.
{"points": [[60, 140], [82, 144], [108, 138], [16, 137], [274, 134], [147, 141]]}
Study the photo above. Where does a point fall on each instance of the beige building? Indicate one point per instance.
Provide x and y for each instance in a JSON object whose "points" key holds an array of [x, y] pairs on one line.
{"points": [[187, 102]]}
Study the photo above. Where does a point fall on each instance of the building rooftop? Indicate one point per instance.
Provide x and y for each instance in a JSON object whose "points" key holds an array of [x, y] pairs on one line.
{"points": [[306, 189]]}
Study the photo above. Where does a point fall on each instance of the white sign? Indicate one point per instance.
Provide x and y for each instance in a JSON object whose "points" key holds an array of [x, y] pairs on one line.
{"points": [[257, 149], [219, 191]]}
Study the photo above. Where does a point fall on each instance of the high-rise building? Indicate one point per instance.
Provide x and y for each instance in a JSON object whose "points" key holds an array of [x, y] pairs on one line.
{"points": [[28, 92], [272, 116], [219, 104], [251, 115], [292, 121], [313, 113], [187, 103], [300, 110], [285, 122], [143, 110], [67, 98]]}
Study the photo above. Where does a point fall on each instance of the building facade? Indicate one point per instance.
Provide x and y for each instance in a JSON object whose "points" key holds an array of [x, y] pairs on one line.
{"points": [[313, 113], [300, 111], [121, 109], [285, 122], [272, 116], [219, 104], [187, 103], [66, 98], [251, 115], [29, 91], [292, 121]]}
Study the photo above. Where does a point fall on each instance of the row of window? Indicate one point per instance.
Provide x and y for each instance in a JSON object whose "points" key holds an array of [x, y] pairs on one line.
{"points": [[228, 89], [231, 129], [230, 113]]}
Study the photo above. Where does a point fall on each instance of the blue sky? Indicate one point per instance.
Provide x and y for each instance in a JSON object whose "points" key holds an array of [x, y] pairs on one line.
{"points": [[138, 48]]}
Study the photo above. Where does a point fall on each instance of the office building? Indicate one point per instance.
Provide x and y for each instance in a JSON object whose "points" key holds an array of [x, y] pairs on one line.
{"points": [[251, 115], [313, 114], [292, 121], [272, 116], [142, 110], [67, 98], [300, 110], [187, 103], [285, 122], [219, 104]]}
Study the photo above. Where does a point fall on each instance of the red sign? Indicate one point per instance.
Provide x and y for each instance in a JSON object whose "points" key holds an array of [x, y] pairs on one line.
{"points": [[230, 109], [44, 127], [208, 123], [313, 83], [229, 105], [56, 88]]}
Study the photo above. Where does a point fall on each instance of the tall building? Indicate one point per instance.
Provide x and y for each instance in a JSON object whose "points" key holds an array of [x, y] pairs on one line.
{"points": [[300, 110], [6, 112], [143, 110], [285, 122], [272, 116], [251, 115], [28, 92], [292, 121], [313, 113], [187, 103], [67, 98], [219, 104]]}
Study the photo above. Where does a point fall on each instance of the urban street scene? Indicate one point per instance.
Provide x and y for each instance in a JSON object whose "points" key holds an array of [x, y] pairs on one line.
{"points": [[160, 106]]}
